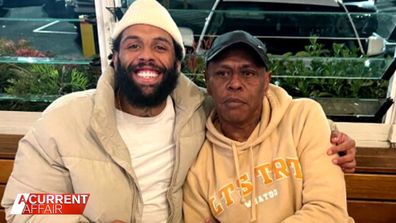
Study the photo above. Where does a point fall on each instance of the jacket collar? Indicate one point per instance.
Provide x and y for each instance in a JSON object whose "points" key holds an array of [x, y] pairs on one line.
{"points": [[187, 97]]}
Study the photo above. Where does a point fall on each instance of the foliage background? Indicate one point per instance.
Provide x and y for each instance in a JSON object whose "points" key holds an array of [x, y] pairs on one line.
{"points": [[31, 87], [310, 78]]}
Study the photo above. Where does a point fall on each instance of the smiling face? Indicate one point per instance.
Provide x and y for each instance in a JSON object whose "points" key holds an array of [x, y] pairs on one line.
{"points": [[237, 81], [145, 65]]}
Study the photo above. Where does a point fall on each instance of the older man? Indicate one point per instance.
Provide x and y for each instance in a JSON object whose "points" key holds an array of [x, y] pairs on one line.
{"points": [[264, 159], [130, 142]]}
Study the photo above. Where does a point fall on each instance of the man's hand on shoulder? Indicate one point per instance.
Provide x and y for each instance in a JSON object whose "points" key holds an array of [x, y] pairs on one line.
{"points": [[346, 148]]}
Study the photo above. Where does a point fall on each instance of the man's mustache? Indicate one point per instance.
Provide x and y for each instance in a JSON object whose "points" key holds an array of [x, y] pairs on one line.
{"points": [[140, 65]]}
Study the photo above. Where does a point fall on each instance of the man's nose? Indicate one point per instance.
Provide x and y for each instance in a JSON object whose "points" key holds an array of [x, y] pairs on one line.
{"points": [[235, 82], [146, 54]]}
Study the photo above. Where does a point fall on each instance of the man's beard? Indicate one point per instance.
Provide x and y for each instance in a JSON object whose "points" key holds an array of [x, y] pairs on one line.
{"points": [[126, 86]]}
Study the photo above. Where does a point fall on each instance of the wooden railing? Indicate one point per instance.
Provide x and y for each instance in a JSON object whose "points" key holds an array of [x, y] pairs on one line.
{"points": [[8, 145], [371, 190], [13, 125]]}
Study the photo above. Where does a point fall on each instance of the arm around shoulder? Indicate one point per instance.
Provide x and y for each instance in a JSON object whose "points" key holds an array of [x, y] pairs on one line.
{"points": [[324, 192]]}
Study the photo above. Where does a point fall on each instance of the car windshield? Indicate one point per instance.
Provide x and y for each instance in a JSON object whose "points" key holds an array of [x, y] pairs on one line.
{"points": [[305, 2]]}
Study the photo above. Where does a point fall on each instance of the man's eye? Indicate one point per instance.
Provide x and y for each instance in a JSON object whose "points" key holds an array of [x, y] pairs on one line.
{"points": [[160, 48], [133, 46], [248, 73], [221, 73]]}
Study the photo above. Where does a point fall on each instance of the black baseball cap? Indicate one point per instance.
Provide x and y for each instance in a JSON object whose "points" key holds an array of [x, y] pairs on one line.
{"points": [[235, 37]]}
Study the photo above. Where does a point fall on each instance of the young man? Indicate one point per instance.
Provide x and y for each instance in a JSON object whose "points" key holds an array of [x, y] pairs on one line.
{"points": [[264, 158], [130, 142]]}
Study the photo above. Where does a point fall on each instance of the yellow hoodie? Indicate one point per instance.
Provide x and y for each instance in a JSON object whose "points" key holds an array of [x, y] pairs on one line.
{"points": [[280, 174]]}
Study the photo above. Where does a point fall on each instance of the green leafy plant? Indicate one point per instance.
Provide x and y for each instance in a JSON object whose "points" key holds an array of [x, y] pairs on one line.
{"points": [[5, 74], [194, 67], [314, 49], [317, 72], [39, 79], [32, 87], [314, 72]]}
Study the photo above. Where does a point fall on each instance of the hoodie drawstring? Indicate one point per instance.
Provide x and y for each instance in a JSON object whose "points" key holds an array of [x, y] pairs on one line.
{"points": [[253, 203], [236, 163], [253, 211]]}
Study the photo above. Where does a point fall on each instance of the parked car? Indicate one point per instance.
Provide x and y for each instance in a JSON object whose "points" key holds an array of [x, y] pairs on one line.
{"points": [[87, 7], [388, 23], [58, 9], [81, 6], [285, 25]]}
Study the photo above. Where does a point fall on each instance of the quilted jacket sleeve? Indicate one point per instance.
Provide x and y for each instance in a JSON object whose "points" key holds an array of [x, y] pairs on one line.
{"points": [[38, 170]]}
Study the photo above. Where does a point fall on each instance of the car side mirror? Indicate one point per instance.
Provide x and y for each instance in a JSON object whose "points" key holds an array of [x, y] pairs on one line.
{"points": [[375, 45], [188, 38]]}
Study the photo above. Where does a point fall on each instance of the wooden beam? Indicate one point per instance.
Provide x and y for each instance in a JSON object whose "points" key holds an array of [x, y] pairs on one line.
{"points": [[371, 186], [372, 211], [8, 143], [2, 188], [2, 216], [5, 170], [376, 160]]}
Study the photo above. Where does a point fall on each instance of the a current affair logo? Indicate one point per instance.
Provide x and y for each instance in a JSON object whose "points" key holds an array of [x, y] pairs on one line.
{"points": [[34, 204]]}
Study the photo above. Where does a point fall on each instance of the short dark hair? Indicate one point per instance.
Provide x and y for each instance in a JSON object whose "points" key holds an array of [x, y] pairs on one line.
{"points": [[115, 46], [178, 50]]}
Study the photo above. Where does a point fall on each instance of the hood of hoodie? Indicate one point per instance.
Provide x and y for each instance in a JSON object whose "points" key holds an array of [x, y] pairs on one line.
{"points": [[275, 104], [281, 173]]}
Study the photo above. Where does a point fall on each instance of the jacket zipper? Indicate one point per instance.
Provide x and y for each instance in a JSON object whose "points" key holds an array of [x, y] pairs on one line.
{"points": [[134, 193], [175, 172], [176, 167], [134, 204]]}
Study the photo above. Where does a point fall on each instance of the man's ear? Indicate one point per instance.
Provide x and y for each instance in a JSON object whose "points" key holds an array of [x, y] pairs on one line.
{"points": [[114, 59], [208, 90], [178, 66]]}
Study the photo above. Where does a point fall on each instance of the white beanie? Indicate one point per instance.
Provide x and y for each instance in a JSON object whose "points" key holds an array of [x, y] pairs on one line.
{"points": [[149, 12]]}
